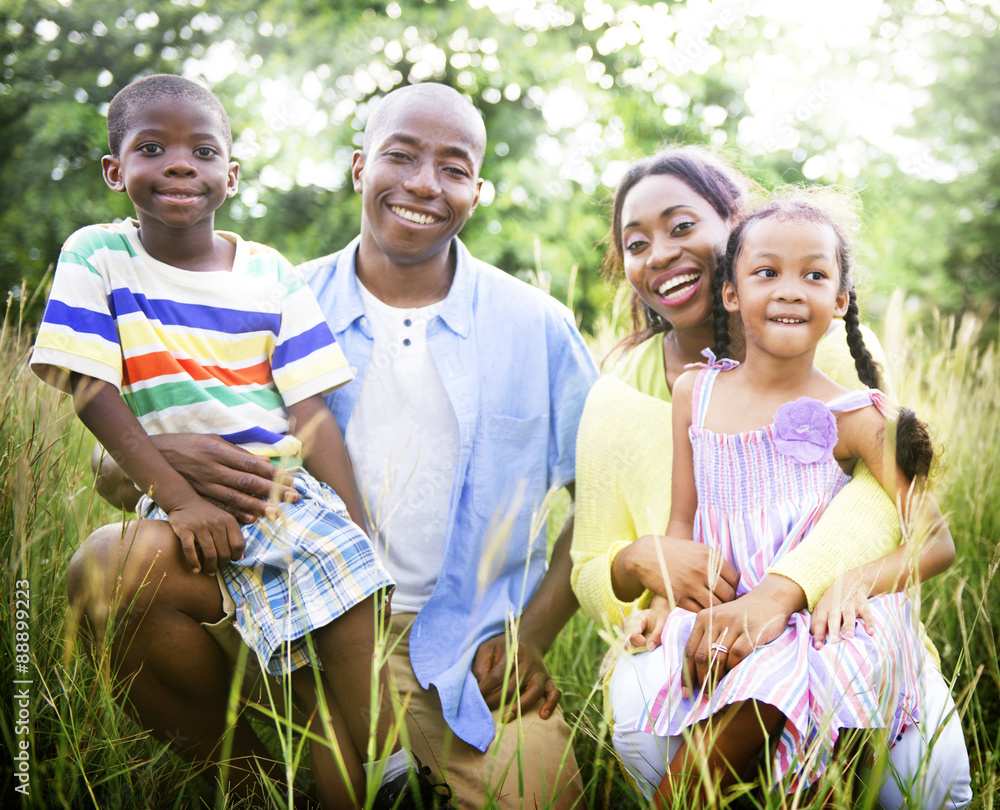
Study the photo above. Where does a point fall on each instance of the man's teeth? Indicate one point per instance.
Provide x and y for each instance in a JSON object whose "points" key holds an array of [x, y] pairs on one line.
{"points": [[413, 216], [664, 290]]}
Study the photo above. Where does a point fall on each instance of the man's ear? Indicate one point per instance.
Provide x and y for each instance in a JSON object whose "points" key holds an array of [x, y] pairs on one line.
{"points": [[730, 300], [479, 190], [233, 184], [112, 169], [357, 164]]}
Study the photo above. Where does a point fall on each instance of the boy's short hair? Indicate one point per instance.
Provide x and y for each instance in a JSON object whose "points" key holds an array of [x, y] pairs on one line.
{"points": [[133, 95]]}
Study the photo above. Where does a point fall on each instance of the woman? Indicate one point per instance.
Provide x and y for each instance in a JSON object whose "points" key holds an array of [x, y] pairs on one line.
{"points": [[672, 214]]}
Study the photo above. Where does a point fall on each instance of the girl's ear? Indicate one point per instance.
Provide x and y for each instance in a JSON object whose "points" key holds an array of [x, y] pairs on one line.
{"points": [[729, 298], [112, 169], [843, 301]]}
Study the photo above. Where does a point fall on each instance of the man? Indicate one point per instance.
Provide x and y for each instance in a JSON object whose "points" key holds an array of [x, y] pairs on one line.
{"points": [[469, 386], [463, 414]]}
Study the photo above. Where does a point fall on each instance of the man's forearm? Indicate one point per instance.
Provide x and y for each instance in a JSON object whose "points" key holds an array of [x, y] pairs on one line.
{"points": [[554, 603], [111, 482]]}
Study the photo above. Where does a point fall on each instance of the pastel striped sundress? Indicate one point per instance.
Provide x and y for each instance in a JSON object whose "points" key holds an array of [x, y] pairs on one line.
{"points": [[754, 505]]}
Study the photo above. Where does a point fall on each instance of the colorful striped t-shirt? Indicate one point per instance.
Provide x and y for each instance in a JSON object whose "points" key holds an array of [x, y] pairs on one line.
{"points": [[191, 352]]}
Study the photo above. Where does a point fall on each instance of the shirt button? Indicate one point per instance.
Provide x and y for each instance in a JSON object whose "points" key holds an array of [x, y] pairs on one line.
{"points": [[406, 341], [364, 321], [407, 322]]}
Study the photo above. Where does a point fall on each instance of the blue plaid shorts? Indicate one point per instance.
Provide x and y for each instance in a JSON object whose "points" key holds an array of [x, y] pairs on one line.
{"points": [[298, 573]]}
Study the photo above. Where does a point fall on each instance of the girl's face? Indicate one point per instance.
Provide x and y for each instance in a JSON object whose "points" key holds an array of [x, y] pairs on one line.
{"points": [[787, 287], [670, 239]]}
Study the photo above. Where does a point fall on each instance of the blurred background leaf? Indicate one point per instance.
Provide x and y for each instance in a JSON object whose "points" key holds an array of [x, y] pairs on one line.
{"points": [[896, 99]]}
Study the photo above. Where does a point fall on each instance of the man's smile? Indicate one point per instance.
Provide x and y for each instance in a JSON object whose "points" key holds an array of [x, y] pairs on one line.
{"points": [[414, 216]]}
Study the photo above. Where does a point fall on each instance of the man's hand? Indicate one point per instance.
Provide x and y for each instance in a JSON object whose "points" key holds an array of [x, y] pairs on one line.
{"points": [[228, 476], [528, 683]]}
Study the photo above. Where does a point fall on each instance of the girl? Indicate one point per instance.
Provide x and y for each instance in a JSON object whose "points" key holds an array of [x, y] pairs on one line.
{"points": [[759, 452]]}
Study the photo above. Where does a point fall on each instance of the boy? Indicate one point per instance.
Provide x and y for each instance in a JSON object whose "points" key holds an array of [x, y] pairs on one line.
{"points": [[199, 331]]}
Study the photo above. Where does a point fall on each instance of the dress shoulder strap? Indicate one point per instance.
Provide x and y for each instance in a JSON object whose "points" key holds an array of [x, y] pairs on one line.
{"points": [[704, 382], [702, 394], [856, 400]]}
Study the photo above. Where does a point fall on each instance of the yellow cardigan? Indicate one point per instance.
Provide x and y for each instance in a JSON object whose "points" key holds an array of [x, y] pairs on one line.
{"points": [[623, 462]]}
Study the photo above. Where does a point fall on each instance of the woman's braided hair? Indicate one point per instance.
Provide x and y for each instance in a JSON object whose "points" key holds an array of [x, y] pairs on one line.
{"points": [[914, 449]]}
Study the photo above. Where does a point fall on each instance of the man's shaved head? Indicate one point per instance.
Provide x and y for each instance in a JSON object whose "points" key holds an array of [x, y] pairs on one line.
{"points": [[452, 105]]}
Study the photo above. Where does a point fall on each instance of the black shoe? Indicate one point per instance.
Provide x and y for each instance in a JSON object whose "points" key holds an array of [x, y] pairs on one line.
{"points": [[413, 790]]}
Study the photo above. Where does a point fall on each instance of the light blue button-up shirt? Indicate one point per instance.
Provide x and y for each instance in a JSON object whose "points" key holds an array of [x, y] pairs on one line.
{"points": [[517, 373]]}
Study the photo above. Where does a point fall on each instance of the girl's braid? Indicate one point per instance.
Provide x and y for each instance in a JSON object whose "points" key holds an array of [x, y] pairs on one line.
{"points": [[720, 317], [868, 370], [914, 449], [725, 270]]}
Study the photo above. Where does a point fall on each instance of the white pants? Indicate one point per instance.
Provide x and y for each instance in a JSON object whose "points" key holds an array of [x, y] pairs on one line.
{"points": [[921, 776]]}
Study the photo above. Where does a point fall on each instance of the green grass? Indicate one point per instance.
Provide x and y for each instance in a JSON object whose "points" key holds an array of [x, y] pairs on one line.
{"points": [[85, 752]]}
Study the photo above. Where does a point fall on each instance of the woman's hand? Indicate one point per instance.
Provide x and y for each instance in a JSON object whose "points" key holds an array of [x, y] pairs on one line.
{"points": [[837, 611], [690, 575], [726, 634]]}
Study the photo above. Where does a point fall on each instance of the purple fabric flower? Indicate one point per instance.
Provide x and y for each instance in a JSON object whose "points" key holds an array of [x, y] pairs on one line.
{"points": [[805, 430]]}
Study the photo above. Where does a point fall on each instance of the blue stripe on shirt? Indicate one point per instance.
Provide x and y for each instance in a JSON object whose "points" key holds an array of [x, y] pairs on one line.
{"points": [[123, 302], [80, 320], [302, 345]]}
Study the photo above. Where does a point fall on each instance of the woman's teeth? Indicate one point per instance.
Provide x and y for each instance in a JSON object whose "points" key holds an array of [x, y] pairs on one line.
{"points": [[671, 287]]}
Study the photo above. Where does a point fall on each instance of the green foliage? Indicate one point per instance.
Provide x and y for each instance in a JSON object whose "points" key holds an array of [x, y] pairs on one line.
{"points": [[63, 62], [569, 91]]}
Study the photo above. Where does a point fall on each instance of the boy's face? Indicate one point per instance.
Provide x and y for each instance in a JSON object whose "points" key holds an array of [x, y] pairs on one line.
{"points": [[173, 164], [420, 180]]}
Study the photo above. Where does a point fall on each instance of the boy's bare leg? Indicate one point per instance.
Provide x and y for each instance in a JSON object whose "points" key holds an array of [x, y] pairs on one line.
{"points": [[346, 648], [177, 676], [717, 753], [326, 770]]}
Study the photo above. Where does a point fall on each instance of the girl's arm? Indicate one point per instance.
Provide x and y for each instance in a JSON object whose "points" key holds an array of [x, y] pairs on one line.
{"points": [[683, 495], [619, 552], [689, 575], [929, 548], [324, 453], [644, 628], [861, 524], [200, 526]]}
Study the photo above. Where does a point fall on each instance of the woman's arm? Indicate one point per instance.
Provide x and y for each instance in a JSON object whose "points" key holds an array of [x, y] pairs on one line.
{"points": [[929, 548], [614, 507], [861, 523]]}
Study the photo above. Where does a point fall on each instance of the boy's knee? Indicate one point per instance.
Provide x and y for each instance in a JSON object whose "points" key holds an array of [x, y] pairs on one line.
{"points": [[90, 579], [111, 568]]}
